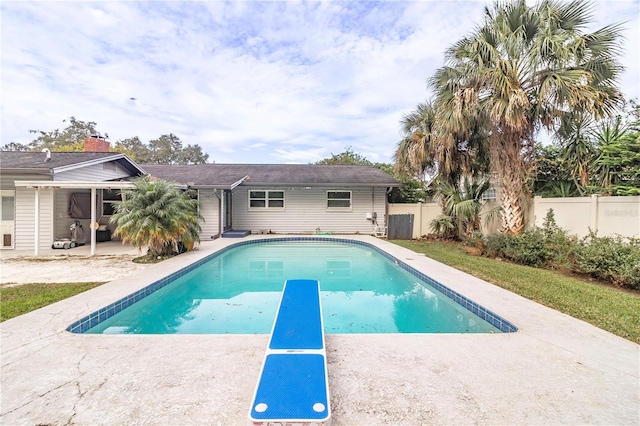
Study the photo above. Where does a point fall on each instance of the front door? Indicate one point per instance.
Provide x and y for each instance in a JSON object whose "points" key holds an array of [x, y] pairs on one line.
{"points": [[227, 210], [7, 225]]}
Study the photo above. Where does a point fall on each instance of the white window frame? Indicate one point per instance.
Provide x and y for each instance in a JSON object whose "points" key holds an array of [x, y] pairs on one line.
{"points": [[490, 195], [339, 208], [267, 199]]}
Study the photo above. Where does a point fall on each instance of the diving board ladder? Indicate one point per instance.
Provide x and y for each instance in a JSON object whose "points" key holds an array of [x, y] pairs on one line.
{"points": [[293, 385]]}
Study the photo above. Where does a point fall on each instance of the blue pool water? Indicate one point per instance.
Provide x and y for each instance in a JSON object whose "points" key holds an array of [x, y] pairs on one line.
{"points": [[238, 291]]}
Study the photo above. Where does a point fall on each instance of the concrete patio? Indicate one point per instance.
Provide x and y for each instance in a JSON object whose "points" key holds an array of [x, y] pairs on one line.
{"points": [[554, 370]]}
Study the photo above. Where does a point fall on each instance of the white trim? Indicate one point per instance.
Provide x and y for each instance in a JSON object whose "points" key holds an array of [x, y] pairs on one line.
{"points": [[238, 183], [266, 199], [82, 164], [339, 209], [8, 226], [73, 184]]}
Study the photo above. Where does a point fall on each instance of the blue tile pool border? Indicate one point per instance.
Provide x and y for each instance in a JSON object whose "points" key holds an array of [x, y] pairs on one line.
{"points": [[93, 319]]}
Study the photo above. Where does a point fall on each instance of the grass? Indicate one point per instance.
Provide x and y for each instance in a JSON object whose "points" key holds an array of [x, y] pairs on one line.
{"points": [[25, 298], [606, 307]]}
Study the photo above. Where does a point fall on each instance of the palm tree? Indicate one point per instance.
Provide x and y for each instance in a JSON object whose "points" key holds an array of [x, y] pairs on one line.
{"points": [[524, 69], [618, 163], [159, 216], [578, 152], [426, 149], [463, 205], [415, 153]]}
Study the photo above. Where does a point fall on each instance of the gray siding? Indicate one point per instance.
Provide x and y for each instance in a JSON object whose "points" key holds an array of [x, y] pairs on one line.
{"points": [[209, 209], [8, 181], [95, 172], [306, 210], [25, 218]]}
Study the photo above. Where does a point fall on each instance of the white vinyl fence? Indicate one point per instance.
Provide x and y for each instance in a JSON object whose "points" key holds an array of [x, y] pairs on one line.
{"points": [[424, 213], [608, 216]]}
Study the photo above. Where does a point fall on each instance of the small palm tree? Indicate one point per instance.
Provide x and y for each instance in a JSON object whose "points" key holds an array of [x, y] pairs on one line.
{"points": [[463, 205], [157, 215], [578, 152]]}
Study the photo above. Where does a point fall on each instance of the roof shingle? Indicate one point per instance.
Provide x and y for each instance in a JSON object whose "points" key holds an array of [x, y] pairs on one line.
{"points": [[225, 175]]}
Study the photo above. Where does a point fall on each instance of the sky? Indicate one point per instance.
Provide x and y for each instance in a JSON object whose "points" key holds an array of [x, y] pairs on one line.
{"points": [[248, 81]]}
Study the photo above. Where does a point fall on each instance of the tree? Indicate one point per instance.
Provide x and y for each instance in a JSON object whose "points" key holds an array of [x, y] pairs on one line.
{"points": [[578, 152], [416, 153], [618, 164], [346, 158], [411, 191], [69, 139], [159, 216], [463, 205], [429, 151], [167, 149], [552, 177], [134, 148], [523, 69]]}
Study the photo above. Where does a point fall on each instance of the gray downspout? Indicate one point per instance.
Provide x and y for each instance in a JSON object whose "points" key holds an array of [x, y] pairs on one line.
{"points": [[220, 220], [386, 205]]}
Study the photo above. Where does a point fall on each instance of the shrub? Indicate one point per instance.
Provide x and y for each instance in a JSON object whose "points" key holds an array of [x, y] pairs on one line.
{"points": [[613, 259], [610, 258], [444, 226], [528, 248], [549, 245], [496, 244]]}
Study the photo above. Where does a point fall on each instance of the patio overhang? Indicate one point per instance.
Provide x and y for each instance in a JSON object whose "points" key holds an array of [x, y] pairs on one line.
{"points": [[93, 186]]}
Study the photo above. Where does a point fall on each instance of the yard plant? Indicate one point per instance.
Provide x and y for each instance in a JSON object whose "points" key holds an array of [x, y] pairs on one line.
{"points": [[612, 259], [522, 69], [25, 298], [607, 307], [159, 216]]}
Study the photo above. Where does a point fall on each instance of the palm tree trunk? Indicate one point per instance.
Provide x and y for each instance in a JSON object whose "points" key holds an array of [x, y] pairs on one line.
{"points": [[510, 161], [512, 215]]}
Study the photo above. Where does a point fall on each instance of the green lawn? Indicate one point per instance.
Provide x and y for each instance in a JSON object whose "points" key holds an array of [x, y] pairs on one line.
{"points": [[25, 298], [606, 307]]}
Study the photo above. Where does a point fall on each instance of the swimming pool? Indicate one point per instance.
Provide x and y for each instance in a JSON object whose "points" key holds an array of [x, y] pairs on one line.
{"points": [[236, 291]]}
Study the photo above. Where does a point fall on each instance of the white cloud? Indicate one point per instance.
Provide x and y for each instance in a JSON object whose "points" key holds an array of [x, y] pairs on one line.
{"points": [[247, 81]]}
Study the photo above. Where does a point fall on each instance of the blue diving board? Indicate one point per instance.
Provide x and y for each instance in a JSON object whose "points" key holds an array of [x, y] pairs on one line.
{"points": [[293, 384]]}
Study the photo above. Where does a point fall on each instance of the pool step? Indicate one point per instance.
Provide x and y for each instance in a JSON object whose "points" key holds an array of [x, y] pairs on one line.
{"points": [[235, 234], [293, 384]]}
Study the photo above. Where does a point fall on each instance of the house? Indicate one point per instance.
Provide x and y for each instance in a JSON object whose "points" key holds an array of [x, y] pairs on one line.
{"points": [[284, 198], [48, 191], [38, 189]]}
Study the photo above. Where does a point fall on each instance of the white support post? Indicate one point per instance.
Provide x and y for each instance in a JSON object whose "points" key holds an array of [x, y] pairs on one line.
{"points": [[36, 249], [93, 228]]}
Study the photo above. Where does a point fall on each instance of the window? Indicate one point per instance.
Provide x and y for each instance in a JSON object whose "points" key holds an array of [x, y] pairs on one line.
{"points": [[339, 200], [8, 203], [266, 200], [489, 194], [109, 199]]}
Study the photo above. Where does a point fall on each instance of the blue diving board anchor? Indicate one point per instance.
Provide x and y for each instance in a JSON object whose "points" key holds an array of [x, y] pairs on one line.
{"points": [[293, 384]]}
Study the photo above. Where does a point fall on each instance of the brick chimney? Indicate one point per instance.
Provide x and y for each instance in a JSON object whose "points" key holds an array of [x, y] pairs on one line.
{"points": [[95, 144]]}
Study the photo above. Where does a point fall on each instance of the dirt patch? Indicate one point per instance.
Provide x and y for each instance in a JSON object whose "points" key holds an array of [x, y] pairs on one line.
{"points": [[66, 269]]}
